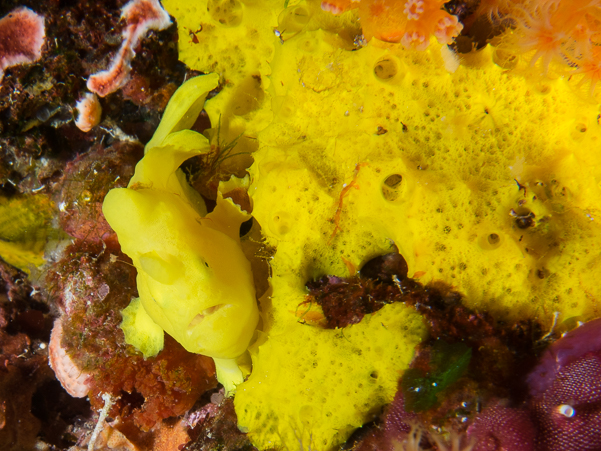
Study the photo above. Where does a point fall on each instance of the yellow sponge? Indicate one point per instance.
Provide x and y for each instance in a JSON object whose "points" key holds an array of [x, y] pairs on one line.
{"points": [[482, 178], [325, 383]]}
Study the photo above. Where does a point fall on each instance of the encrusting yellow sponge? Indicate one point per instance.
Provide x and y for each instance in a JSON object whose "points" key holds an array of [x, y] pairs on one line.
{"points": [[193, 279]]}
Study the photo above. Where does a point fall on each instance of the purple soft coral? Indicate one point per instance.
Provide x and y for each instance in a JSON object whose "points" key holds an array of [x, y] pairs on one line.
{"points": [[569, 411], [572, 346], [502, 428], [566, 389], [395, 427]]}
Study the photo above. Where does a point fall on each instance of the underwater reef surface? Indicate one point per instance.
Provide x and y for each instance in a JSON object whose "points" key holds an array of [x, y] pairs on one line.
{"points": [[422, 180]]}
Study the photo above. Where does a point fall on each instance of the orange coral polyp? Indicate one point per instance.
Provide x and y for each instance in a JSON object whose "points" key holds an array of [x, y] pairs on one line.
{"points": [[492, 9], [547, 42], [554, 30], [432, 22], [380, 8], [409, 22], [591, 68], [447, 28], [336, 7], [561, 33], [581, 39], [382, 19], [415, 40], [414, 9]]}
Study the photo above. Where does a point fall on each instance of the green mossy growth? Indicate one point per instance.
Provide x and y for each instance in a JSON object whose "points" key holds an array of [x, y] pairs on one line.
{"points": [[448, 362]]}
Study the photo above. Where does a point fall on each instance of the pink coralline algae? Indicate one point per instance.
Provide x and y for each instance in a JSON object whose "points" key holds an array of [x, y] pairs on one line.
{"points": [[71, 377], [140, 16], [88, 112], [22, 35], [566, 389]]}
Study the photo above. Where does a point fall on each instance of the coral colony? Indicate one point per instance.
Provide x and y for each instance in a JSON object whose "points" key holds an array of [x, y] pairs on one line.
{"points": [[340, 224], [22, 35], [411, 23]]}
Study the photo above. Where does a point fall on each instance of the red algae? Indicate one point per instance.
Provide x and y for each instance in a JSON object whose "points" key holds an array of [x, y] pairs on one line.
{"points": [[218, 430], [22, 35], [93, 282], [85, 182], [32, 404]]}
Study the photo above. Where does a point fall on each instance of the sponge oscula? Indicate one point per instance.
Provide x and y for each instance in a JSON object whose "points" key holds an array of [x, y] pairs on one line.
{"points": [[193, 279]]}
